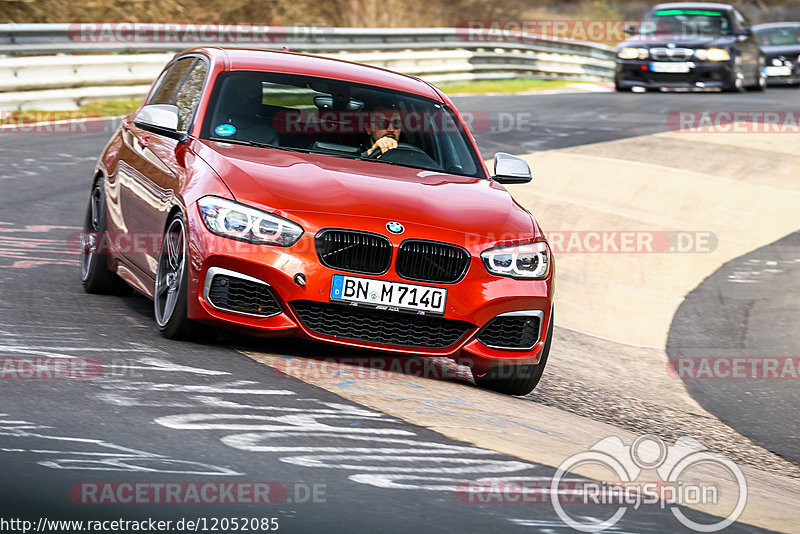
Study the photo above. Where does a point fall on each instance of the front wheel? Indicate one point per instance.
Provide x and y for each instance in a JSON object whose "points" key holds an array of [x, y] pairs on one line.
{"points": [[516, 379], [735, 83], [760, 78], [170, 296]]}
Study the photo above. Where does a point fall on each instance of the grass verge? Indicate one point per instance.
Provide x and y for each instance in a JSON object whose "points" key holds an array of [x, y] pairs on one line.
{"points": [[104, 108], [511, 85]]}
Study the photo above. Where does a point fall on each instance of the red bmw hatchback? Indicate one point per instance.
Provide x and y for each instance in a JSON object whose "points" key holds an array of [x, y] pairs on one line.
{"points": [[293, 195]]}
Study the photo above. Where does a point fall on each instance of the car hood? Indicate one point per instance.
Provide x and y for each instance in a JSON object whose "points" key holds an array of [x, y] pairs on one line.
{"points": [[326, 191], [787, 50], [656, 40]]}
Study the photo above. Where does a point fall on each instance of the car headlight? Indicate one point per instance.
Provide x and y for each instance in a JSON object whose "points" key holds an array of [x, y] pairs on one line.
{"points": [[237, 221], [712, 54], [633, 53], [520, 261]]}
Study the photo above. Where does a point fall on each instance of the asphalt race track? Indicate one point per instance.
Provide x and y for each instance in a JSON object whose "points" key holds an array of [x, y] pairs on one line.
{"points": [[754, 315], [194, 413]]}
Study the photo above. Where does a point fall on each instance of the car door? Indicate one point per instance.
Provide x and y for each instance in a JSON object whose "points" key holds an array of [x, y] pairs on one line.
{"points": [[152, 167]]}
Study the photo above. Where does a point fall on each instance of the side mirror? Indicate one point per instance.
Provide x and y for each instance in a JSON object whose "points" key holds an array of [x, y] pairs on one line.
{"points": [[161, 119], [510, 169], [630, 30], [745, 32]]}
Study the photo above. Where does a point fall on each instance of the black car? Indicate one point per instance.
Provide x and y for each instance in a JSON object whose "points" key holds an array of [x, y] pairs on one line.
{"points": [[691, 45], [780, 43]]}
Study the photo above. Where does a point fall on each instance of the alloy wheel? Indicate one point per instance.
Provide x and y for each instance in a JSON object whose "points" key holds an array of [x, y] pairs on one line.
{"points": [[90, 236], [170, 272]]}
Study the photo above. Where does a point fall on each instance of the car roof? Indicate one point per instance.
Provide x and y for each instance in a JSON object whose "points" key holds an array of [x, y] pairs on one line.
{"points": [[694, 5], [325, 67]]}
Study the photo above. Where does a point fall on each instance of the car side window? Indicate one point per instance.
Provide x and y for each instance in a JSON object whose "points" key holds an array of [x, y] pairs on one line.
{"points": [[741, 22], [157, 86], [172, 82], [189, 94]]}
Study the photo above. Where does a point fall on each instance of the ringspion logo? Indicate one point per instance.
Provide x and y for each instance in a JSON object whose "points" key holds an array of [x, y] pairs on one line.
{"points": [[646, 472], [678, 483]]}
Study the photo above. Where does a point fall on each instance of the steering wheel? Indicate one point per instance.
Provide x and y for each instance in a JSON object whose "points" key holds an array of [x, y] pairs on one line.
{"points": [[375, 154], [406, 154]]}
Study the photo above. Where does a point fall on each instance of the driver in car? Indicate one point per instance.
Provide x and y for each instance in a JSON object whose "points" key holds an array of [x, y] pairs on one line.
{"points": [[384, 128]]}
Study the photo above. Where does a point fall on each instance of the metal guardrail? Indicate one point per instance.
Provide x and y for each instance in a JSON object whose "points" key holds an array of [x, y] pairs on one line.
{"points": [[59, 66]]}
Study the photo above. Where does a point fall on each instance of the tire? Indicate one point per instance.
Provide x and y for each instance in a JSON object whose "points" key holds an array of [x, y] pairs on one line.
{"points": [[172, 282], [621, 89], [97, 278], [761, 78], [736, 82], [517, 379]]}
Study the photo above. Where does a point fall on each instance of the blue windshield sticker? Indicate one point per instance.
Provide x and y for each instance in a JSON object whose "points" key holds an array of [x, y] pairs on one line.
{"points": [[225, 130]]}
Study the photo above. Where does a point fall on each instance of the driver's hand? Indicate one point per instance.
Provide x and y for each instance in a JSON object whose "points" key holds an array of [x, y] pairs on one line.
{"points": [[384, 143]]}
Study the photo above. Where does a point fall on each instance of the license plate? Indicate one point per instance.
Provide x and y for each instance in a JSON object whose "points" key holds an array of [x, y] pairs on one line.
{"points": [[778, 71], [393, 296], [677, 67]]}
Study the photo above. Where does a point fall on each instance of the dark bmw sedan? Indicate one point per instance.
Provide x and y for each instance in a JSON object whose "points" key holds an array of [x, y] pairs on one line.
{"points": [[780, 43], [691, 45]]}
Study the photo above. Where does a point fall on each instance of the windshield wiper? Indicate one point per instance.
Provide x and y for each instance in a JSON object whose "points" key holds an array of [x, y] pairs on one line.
{"points": [[287, 148], [259, 144]]}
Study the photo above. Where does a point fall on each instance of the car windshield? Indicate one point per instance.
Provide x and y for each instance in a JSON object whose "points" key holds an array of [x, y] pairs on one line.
{"points": [[687, 23], [339, 119], [781, 36]]}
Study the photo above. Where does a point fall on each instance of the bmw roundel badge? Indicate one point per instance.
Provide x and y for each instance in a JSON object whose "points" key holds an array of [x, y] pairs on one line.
{"points": [[395, 227]]}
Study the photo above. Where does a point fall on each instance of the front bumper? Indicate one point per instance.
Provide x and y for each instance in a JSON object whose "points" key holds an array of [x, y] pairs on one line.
{"points": [[782, 74], [472, 303], [701, 75]]}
